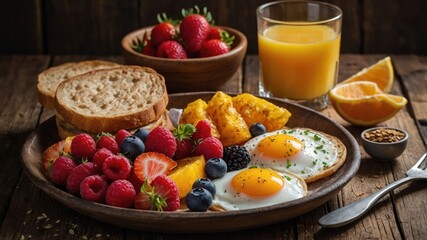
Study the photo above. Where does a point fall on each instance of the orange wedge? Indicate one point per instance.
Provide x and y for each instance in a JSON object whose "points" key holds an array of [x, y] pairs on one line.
{"points": [[380, 73], [363, 103]]}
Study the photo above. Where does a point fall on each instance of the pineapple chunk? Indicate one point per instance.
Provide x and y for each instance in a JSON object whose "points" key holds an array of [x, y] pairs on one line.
{"points": [[231, 126], [254, 109], [195, 112]]}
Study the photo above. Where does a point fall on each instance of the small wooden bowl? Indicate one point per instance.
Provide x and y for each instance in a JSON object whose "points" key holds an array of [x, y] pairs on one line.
{"points": [[193, 74]]}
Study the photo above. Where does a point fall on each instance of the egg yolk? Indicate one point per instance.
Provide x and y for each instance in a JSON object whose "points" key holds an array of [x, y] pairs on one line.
{"points": [[257, 182], [280, 146]]}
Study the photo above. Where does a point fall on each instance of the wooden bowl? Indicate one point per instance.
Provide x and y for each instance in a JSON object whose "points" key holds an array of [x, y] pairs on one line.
{"points": [[194, 74]]}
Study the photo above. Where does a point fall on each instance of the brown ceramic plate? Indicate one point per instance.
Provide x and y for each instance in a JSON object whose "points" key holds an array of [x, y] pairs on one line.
{"points": [[319, 191]]}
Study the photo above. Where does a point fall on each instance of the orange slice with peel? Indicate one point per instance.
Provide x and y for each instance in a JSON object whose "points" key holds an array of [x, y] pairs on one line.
{"points": [[380, 73], [363, 103]]}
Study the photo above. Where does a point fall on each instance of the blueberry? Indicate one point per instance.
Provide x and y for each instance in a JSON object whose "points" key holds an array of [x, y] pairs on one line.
{"points": [[198, 200], [206, 184], [215, 168], [257, 129], [132, 147], [142, 133]]}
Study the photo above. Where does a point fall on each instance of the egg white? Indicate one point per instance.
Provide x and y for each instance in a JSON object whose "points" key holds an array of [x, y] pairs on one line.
{"points": [[229, 199], [318, 153]]}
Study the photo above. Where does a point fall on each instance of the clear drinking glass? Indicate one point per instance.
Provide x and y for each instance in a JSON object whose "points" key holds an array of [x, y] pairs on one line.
{"points": [[299, 45]]}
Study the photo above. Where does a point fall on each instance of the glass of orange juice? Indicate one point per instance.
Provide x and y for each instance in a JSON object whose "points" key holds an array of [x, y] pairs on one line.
{"points": [[299, 45]]}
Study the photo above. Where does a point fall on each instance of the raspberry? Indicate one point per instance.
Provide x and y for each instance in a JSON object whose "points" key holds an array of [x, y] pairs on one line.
{"points": [[236, 157], [120, 193], [183, 149], [161, 140], [161, 195], [116, 167], [120, 135], [61, 169], [107, 141], [203, 130], [100, 156], [93, 188], [83, 146], [136, 182], [210, 148], [77, 175]]}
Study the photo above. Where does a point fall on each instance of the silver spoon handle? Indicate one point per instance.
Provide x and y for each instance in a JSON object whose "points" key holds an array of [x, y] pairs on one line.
{"points": [[349, 213]]}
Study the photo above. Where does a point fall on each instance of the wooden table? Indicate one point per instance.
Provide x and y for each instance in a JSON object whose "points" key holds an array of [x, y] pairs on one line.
{"points": [[28, 213]]}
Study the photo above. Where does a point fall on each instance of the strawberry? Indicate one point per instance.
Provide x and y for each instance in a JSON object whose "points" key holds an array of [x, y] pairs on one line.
{"points": [[213, 47], [171, 49], [215, 33], [149, 165], [194, 29], [143, 45], [106, 140], [162, 32], [149, 49], [160, 195], [217, 46], [184, 144], [183, 149], [55, 151]]}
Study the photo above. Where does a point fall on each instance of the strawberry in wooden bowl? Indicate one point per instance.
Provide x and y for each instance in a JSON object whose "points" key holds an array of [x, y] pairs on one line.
{"points": [[191, 53]]}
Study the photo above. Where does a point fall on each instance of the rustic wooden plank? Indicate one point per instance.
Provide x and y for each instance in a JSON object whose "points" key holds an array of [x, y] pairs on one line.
{"points": [[410, 201], [413, 70], [18, 117], [394, 27], [21, 27], [88, 27], [383, 218]]}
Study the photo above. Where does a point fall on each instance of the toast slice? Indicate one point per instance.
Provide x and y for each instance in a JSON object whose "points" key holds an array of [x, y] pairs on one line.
{"points": [[49, 79], [108, 100]]}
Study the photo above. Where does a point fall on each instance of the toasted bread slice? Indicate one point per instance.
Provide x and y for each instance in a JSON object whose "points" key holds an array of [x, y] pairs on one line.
{"points": [[49, 79], [108, 100], [66, 129]]}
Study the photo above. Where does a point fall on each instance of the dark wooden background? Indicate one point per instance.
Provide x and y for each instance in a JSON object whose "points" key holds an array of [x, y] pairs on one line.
{"points": [[97, 26]]}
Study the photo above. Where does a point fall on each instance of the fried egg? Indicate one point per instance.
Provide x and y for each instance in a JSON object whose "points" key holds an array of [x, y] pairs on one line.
{"points": [[256, 187], [301, 151]]}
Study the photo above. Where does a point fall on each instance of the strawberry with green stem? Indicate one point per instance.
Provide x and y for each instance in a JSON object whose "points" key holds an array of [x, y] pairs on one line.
{"points": [[159, 195], [194, 28], [164, 31], [184, 143]]}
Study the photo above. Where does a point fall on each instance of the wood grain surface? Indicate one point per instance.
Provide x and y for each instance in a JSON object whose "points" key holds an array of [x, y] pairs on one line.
{"points": [[28, 213], [97, 26]]}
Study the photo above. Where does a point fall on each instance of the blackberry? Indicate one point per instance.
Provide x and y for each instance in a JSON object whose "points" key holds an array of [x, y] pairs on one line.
{"points": [[236, 157]]}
